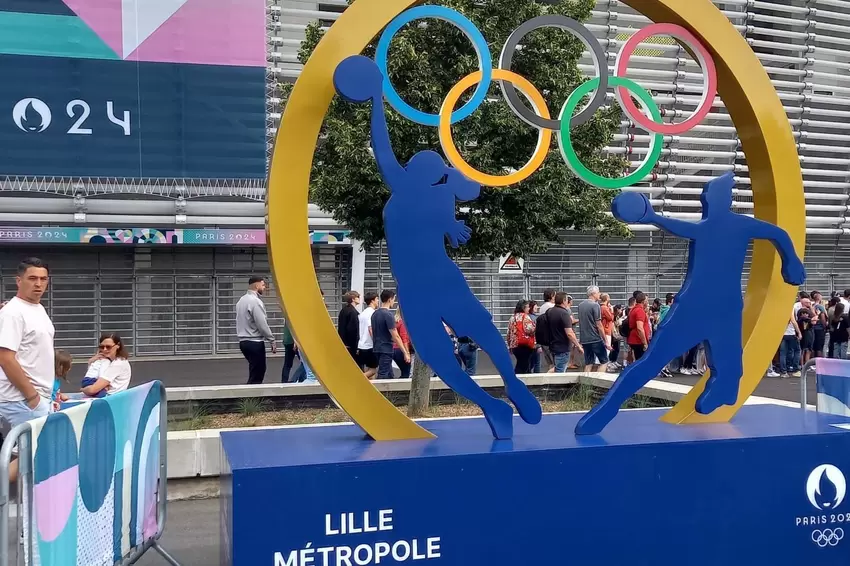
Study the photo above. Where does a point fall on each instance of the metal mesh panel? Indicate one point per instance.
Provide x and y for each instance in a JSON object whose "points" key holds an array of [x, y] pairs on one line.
{"points": [[71, 302], [161, 301], [156, 331], [193, 313], [117, 308]]}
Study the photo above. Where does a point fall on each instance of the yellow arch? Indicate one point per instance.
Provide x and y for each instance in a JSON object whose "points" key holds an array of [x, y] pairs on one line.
{"points": [[749, 96]]}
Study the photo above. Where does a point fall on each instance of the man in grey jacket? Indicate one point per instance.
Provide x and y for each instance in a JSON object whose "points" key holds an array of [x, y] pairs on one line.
{"points": [[253, 330]]}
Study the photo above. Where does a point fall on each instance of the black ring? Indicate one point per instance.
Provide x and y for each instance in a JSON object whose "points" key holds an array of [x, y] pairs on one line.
{"points": [[586, 37]]}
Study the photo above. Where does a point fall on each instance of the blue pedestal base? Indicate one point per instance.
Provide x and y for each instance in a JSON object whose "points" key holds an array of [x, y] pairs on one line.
{"points": [[752, 492]]}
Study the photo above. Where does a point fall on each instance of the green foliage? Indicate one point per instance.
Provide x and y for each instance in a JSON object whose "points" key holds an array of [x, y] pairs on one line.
{"points": [[251, 406], [426, 59]]}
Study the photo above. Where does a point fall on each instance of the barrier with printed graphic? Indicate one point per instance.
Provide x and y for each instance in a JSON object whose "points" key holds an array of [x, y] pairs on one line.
{"points": [[90, 481], [833, 385]]}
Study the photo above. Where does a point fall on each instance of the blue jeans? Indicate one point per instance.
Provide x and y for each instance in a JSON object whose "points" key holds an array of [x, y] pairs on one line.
{"points": [[13, 413], [385, 365], [537, 360], [303, 374], [469, 357], [561, 362], [310, 376], [840, 351], [595, 353], [789, 354]]}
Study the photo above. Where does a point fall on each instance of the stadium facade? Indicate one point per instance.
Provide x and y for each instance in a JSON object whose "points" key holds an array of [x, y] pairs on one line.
{"points": [[157, 243]]}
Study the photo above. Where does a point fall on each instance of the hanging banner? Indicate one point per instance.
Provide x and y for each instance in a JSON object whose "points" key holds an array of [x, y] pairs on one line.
{"points": [[133, 88], [154, 236]]}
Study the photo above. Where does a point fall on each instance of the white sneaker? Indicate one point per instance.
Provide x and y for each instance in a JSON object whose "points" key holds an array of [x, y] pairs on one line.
{"points": [[796, 374], [685, 371], [771, 373]]}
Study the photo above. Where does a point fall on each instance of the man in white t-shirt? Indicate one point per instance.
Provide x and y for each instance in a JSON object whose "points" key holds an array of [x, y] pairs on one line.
{"points": [[26, 351], [845, 300], [789, 348], [365, 354]]}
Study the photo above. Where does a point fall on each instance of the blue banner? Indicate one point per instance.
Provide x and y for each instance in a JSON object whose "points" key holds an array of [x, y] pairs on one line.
{"points": [[99, 118]]}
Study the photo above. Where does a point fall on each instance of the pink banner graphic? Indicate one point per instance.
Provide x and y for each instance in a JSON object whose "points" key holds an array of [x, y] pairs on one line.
{"points": [[206, 32]]}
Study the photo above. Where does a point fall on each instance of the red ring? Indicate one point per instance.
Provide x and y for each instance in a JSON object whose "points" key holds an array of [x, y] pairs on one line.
{"points": [[705, 60]]}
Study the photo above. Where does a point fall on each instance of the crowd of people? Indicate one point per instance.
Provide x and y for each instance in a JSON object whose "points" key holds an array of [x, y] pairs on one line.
{"points": [[545, 332], [616, 335], [549, 336]]}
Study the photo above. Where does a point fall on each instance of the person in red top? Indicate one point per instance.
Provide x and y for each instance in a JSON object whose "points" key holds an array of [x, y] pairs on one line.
{"points": [[398, 355], [640, 330], [607, 317]]}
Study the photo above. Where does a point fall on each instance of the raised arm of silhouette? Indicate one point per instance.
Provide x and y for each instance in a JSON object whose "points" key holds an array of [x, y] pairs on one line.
{"points": [[793, 269], [716, 257], [419, 217], [358, 80], [634, 208]]}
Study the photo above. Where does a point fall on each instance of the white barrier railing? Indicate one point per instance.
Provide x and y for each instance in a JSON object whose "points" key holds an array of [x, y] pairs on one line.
{"points": [[91, 482]]}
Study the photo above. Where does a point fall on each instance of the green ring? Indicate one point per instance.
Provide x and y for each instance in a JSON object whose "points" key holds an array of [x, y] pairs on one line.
{"points": [[566, 144]]}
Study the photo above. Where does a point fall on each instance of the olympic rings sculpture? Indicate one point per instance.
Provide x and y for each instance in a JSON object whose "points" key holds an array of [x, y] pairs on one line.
{"points": [[648, 119], [827, 537]]}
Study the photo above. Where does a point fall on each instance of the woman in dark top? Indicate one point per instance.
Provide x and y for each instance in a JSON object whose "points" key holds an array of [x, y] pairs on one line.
{"points": [[839, 332], [348, 325]]}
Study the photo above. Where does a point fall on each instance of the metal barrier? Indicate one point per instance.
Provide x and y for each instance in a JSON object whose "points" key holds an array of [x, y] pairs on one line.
{"points": [[804, 392], [38, 536], [832, 377]]}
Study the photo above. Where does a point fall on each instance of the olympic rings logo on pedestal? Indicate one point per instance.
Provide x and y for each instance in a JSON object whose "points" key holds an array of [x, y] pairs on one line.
{"points": [[649, 119], [827, 537]]}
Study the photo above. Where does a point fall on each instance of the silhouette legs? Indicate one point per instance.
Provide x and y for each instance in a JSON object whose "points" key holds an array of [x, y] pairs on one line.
{"points": [[491, 341], [435, 348], [677, 339], [724, 357]]}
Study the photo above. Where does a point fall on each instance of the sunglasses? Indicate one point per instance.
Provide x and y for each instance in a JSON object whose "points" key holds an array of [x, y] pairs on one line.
{"points": [[106, 347]]}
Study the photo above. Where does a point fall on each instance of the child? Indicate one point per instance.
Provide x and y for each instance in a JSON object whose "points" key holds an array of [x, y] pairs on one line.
{"points": [[95, 370], [62, 366]]}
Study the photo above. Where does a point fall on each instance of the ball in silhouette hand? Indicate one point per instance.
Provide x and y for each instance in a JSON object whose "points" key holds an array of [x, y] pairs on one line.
{"points": [[358, 79], [630, 207]]}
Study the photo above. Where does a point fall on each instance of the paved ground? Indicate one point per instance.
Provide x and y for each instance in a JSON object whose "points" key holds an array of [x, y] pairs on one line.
{"points": [[191, 534], [233, 371]]}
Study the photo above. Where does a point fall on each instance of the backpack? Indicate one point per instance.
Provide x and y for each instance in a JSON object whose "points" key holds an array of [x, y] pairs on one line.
{"points": [[624, 328], [543, 334]]}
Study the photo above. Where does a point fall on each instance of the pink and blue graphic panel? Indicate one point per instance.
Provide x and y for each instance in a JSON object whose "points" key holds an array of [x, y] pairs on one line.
{"points": [[133, 88], [833, 383], [95, 479]]}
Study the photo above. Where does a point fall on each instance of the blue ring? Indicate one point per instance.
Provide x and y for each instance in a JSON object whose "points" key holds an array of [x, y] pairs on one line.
{"points": [[485, 62]]}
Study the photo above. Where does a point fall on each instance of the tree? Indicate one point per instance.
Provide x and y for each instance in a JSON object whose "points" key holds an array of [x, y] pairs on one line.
{"points": [[425, 61]]}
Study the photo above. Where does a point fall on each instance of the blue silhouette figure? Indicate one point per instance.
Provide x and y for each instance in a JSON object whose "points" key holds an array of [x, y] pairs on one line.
{"points": [[418, 217], [716, 257]]}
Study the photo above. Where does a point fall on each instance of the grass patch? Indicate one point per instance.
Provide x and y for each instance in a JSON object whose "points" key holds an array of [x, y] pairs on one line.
{"points": [[258, 412]]}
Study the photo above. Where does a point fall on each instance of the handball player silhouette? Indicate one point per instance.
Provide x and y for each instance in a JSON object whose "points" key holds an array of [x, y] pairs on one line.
{"points": [[418, 218], [716, 257]]}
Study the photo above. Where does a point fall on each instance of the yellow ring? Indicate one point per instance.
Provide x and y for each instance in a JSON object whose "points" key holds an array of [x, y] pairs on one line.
{"points": [[757, 113], [544, 139]]}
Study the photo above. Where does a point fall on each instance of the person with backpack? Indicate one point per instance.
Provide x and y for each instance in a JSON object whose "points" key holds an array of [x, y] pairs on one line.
{"points": [[521, 342], [543, 337], [562, 337]]}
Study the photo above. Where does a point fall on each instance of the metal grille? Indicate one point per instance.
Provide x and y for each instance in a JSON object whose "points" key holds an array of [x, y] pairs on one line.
{"points": [[161, 301]]}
